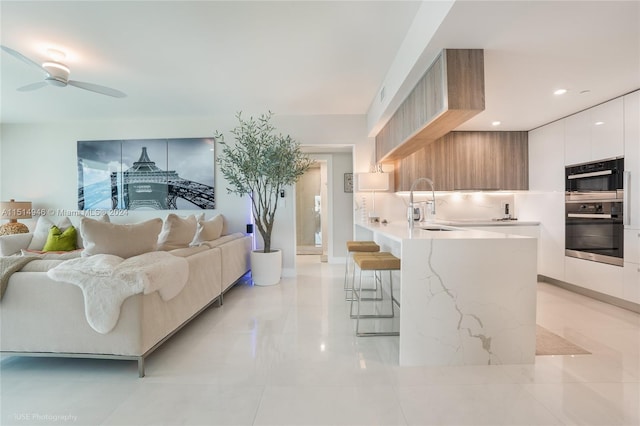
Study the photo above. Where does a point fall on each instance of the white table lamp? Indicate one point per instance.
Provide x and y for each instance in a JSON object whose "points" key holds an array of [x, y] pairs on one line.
{"points": [[372, 182]]}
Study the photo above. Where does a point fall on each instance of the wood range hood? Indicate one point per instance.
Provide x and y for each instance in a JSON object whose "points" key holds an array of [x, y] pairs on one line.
{"points": [[449, 93]]}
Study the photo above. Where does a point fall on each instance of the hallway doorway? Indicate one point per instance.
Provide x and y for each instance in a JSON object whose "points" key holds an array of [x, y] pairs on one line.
{"points": [[311, 216]]}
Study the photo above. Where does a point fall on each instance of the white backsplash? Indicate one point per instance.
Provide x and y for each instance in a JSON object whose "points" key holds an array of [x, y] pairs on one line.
{"points": [[463, 206]]}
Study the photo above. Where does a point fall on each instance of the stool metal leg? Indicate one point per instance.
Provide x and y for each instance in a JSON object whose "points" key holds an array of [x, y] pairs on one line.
{"points": [[348, 286], [376, 333], [357, 296]]}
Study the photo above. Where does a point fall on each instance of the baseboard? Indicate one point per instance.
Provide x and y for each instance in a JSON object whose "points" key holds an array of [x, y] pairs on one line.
{"points": [[621, 303]]}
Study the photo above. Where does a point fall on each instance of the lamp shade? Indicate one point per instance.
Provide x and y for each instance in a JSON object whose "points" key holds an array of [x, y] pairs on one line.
{"points": [[15, 210], [373, 181]]}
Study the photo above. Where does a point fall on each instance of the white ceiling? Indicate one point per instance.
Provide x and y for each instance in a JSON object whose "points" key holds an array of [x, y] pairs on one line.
{"points": [[202, 58], [534, 48], [206, 58]]}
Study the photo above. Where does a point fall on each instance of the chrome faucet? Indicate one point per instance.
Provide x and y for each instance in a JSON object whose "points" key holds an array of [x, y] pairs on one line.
{"points": [[433, 194]]}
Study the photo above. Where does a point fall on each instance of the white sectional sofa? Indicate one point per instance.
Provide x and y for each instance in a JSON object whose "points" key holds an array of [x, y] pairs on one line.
{"points": [[40, 316]]}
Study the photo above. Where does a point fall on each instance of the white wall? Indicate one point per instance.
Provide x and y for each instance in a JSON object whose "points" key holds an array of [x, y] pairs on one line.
{"points": [[342, 214], [38, 162]]}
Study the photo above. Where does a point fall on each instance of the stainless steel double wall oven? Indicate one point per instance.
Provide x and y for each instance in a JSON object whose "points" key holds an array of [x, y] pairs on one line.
{"points": [[594, 211]]}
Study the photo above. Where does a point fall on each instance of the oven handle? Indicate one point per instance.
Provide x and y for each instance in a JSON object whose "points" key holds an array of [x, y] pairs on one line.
{"points": [[589, 215], [626, 220], [590, 174]]}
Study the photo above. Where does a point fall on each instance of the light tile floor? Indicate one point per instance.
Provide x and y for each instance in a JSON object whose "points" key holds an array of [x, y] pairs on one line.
{"points": [[286, 355]]}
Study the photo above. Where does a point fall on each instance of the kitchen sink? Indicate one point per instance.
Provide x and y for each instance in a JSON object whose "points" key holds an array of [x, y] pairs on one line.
{"points": [[435, 228]]}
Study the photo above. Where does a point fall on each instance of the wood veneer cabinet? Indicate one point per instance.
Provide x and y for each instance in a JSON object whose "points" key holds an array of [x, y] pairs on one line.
{"points": [[469, 161], [450, 92]]}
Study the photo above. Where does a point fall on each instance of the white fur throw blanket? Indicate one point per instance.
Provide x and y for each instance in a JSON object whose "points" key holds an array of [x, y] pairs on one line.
{"points": [[107, 280]]}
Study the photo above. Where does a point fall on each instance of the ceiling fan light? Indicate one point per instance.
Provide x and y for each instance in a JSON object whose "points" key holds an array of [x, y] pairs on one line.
{"points": [[58, 73], [57, 65]]}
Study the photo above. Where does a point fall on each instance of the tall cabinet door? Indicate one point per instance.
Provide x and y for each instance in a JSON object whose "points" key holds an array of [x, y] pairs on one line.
{"points": [[632, 156], [545, 202], [546, 158]]}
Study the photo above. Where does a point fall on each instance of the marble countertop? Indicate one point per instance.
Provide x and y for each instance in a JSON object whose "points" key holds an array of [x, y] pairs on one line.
{"points": [[400, 231], [486, 222]]}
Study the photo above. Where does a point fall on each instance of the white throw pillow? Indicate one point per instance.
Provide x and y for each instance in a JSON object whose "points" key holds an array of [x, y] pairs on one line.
{"points": [[120, 240], [41, 232], [12, 244], [177, 232], [103, 218], [208, 230]]}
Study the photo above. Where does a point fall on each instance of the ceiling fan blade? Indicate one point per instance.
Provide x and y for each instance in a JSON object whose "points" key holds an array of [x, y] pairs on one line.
{"points": [[32, 86], [21, 57], [97, 88]]}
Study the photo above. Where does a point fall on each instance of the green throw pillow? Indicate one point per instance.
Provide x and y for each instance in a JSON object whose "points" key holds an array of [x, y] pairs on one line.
{"points": [[61, 241]]}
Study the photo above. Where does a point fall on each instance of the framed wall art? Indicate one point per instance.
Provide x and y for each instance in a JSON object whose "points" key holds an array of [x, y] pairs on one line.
{"points": [[146, 174], [348, 182]]}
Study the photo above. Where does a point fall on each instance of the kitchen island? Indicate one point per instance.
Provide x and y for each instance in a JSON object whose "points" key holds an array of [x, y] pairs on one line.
{"points": [[467, 297]]}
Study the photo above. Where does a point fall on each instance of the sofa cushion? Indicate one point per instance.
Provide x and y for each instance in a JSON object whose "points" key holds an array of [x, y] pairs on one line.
{"points": [[41, 232], [188, 251], [177, 232], [41, 265], [120, 240], [53, 255], [223, 239], [12, 244], [208, 230], [59, 240]]}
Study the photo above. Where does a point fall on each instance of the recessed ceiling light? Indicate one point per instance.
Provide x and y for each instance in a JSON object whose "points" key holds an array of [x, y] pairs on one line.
{"points": [[560, 92], [496, 123], [599, 123]]}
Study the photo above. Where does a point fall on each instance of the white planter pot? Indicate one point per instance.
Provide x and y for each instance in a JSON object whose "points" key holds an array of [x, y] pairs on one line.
{"points": [[266, 268]]}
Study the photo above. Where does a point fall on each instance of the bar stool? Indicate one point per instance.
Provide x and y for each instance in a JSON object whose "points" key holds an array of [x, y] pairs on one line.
{"points": [[356, 247], [376, 262]]}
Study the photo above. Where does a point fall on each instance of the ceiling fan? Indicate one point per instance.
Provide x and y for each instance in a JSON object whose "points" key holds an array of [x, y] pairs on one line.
{"points": [[57, 74]]}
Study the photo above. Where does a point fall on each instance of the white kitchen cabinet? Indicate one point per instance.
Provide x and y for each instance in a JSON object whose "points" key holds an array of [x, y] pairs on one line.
{"points": [[600, 277], [607, 129], [546, 157], [631, 283], [577, 142], [632, 245], [548, 209], [632, 157], [595, 134]]}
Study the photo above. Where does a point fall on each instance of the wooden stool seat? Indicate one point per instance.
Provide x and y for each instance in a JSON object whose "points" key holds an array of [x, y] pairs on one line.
{"points": [[379, 261], [362, 246], [352, 248]]}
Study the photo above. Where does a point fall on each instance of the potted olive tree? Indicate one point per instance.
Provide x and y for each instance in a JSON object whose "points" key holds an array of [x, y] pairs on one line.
{"points": [[260, 164]]}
